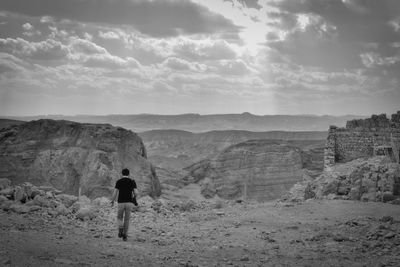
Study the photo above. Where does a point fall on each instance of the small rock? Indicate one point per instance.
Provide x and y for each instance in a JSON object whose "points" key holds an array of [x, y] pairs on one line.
{"points": [[390, 235], [64, 261], [245, 258], [7, 262], [67, 200], [388, 219], [4, 183], [18, 208]]}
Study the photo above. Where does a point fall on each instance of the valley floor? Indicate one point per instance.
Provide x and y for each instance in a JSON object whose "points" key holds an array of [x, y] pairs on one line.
{"points": [[314, 233]]}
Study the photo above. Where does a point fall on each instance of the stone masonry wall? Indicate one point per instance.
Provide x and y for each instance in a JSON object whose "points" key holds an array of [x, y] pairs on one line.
{"points": [[363, 138]]}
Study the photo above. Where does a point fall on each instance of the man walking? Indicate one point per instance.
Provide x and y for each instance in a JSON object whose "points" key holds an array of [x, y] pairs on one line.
{"points": [[126, 190]]}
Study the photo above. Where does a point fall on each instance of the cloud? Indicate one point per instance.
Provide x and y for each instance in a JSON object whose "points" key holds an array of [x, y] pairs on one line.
{"points": [[109, 35], [179, 64], [27, 26], [45, 50], [160, 18], [204, 50], [83, 46], [233, 67], [10, 64]]}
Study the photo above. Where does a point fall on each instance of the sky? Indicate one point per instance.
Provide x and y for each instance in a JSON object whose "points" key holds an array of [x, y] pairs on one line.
{"points": [[322, 57]]}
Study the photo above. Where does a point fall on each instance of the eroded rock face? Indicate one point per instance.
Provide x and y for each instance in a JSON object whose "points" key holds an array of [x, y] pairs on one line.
{"points": [[259, 169], [69, 156]]}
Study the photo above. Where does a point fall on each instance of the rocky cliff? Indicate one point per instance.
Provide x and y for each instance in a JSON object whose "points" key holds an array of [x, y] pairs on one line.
{"points": [[256, 169], [175, 150], [72, 156]]}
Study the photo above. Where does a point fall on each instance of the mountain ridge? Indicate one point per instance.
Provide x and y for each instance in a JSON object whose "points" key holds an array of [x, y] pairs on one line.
{"points": [[204, 123]]}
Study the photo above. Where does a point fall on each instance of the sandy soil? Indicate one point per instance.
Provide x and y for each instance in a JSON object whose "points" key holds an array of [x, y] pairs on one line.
{"points": [[314, 233]]}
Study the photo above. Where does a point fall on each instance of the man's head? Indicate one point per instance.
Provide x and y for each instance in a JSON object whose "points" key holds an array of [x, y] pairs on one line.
{"points": [[125, 172]]}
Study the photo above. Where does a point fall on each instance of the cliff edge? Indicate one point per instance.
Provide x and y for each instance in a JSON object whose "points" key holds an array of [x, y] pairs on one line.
{"points": [[72, 156]]}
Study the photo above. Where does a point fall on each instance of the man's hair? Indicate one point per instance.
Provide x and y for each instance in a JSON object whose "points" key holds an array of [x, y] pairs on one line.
{"points": [[125, 172]]}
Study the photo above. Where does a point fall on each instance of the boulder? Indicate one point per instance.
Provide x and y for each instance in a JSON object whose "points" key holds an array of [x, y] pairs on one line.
{"points": [[208, 188], [30, 190], [388, 196], [19, 194], [67, 200], [4, 183], [19, 208], [368, 196], [61, 210], [83, 201], [8, 192], [34, 208], [6, 205], [354, 193], [3, 199], [86, 213], [41, 201]]}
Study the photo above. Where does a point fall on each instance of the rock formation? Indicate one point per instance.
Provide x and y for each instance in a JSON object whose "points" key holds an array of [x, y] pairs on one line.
{"points": [[72, 156], [258, 169]]}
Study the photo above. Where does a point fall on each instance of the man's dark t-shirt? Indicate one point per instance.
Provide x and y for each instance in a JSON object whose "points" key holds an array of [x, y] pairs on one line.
{"points": [[125, 187]]}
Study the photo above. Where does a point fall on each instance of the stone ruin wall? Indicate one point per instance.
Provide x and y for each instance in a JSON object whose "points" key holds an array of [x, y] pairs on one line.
{"points": [[363, 138]]}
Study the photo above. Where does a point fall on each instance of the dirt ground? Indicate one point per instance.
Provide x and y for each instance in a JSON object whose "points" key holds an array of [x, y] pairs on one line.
{"points": [[313, 233]]}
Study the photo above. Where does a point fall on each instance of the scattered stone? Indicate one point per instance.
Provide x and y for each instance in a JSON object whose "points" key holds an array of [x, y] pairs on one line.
{"points": [[61, 210], [64, 261], [387, 218], [19, 208], [245, 258], [8, 192], [19, 194], [390, 235], [4, 183], [86, 213], [41, 201], [3, 198], [67, 200]]}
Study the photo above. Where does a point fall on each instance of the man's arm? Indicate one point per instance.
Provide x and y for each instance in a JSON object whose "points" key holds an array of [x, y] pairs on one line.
{"points": [[116, 191]]}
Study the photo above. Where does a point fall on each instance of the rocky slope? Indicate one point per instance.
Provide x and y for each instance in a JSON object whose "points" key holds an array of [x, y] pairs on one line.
{"points": [[72, 156], [257, 169]]}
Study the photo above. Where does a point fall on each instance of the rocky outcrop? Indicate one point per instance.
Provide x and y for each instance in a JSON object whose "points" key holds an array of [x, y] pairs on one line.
{"points": [[258, 169], [71, 156], [372, 179]]}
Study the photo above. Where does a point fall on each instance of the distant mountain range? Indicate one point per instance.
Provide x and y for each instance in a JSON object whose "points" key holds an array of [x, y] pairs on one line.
{"points": [[204, 123]]}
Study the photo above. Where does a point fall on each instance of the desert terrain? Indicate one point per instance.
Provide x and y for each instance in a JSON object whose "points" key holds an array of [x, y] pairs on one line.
{"points": [[210, 233]]}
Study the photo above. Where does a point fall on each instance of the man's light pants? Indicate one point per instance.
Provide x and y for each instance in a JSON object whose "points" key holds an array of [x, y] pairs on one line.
{"points": [[123, 216]]}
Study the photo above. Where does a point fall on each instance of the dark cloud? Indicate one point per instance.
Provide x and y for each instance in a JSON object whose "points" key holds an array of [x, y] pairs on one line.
{"points": [[356, 20], [248, 3], [159, 18], [337, 32]]}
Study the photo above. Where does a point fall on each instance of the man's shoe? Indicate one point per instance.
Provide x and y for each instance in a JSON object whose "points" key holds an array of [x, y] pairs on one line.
{"points": [[121, 232], [125, 238]]}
